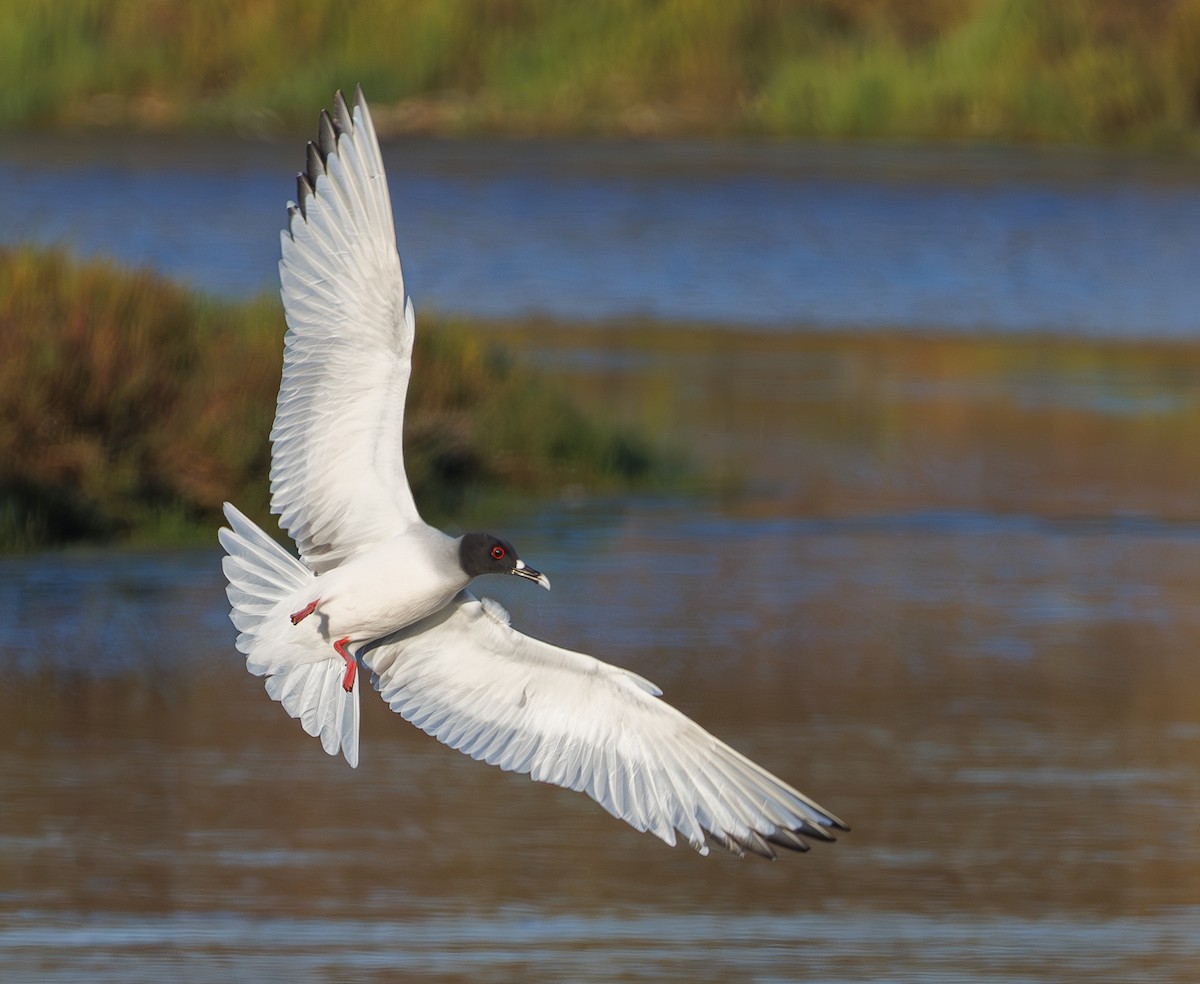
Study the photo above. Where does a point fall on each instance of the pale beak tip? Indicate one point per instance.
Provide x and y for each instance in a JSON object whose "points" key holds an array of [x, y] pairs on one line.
{"points": [[524, 570]]}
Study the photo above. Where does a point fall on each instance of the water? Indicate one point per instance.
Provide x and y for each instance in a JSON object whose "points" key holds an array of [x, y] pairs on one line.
{"points": [[761, 234], [945, 585], [1005, 716], [951, 596]]}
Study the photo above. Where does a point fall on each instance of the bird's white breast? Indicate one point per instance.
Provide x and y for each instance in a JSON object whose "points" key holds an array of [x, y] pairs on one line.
{"points": [[393, 584]]}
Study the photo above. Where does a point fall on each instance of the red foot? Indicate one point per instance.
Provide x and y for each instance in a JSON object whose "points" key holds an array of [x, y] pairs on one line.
{"points": [[304, 612], [351, 664]]}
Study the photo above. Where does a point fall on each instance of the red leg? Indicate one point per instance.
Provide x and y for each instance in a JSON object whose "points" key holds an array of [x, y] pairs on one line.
{"points": [[351, 664], [304, 612]]}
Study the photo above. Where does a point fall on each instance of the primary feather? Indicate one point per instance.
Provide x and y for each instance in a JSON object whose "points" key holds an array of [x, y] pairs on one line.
{"points": [[337, 465]]}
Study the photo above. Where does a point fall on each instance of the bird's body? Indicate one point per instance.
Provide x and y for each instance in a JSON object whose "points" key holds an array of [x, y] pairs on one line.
{"points": [[386, 587], [377, 586]]}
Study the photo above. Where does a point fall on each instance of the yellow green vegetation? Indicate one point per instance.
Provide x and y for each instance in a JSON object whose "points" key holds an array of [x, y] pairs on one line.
{"points": [[130, 407], [1075, 70]]}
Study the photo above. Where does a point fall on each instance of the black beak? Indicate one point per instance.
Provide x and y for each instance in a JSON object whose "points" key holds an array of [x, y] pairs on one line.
{"points": [[522, 570]]}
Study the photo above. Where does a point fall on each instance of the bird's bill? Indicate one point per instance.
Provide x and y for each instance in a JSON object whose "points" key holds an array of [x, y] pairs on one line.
{"points": [[524, 570]]}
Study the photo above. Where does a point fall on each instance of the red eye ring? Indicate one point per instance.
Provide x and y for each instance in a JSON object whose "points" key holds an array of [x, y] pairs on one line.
{"points": [[498, 552]]}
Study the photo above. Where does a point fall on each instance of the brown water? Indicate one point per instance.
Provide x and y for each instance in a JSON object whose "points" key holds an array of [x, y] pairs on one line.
{"points": [[948, 589]]}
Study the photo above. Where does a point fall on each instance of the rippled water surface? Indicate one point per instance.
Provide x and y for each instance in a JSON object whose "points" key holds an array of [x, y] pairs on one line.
{"points": [[944, 582], [770, 235], [948, 589]]}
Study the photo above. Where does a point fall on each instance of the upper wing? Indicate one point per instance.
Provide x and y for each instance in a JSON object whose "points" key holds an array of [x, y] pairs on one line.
{"points": [[337, 463], [465, 676]]}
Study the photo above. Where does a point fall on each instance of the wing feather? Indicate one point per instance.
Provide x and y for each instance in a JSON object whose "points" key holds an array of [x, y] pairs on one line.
{"points": [[469, 679], [312, 692], [337, 471]]}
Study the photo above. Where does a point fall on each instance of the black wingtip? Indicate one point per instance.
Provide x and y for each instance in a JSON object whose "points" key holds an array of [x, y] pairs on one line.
{"points": [[790, 840], [330, 127], [756, 843], [341, 113], [326, 135], [816, 831], [304, 189], [315, 163]]}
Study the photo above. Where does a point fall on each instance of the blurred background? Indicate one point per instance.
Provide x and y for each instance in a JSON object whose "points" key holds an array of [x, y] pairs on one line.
{"points": [[839, 362]]}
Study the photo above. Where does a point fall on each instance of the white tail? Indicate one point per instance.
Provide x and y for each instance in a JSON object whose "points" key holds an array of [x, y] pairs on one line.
{"points": [[303, 676]]}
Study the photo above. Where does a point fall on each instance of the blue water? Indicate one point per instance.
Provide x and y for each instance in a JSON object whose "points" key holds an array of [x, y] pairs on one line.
{"points": [[977, 647], [765, 235], [512, 945]]}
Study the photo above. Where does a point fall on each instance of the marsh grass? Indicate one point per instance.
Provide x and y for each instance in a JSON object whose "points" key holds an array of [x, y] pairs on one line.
{"points": [[1075, 70], [131, 407]]}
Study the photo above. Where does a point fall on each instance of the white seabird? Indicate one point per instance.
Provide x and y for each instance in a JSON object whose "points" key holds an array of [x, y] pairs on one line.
{"points": [[377, 586]]}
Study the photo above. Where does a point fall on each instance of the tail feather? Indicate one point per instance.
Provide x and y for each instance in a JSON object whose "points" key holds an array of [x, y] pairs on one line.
{"points": [[313, 693], [308, 683]]}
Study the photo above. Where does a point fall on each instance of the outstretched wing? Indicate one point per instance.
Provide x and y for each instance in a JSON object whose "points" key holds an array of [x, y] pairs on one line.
{"points": [[465, 676], [337, 464]]}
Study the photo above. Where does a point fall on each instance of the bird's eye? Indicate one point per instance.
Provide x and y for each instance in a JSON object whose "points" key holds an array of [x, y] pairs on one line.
{"points": [[497, 553]]}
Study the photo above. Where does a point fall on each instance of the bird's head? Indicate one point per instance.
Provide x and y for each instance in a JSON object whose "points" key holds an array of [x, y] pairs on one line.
{"points": [[482, 553]]}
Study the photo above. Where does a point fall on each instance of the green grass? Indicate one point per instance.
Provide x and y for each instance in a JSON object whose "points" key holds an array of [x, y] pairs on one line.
{"points": [[1112, 71], [131, 407]]}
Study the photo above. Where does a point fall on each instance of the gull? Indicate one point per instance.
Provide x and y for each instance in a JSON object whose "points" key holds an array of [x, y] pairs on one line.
{"points": [[376, 587]]}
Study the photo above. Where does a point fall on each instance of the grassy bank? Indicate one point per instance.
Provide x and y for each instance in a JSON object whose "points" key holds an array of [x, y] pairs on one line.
{"points": [[131, 407], [1069, 70]]}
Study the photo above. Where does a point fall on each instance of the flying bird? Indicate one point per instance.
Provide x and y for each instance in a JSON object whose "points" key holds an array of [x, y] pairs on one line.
{"points": [[377, 588]]}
